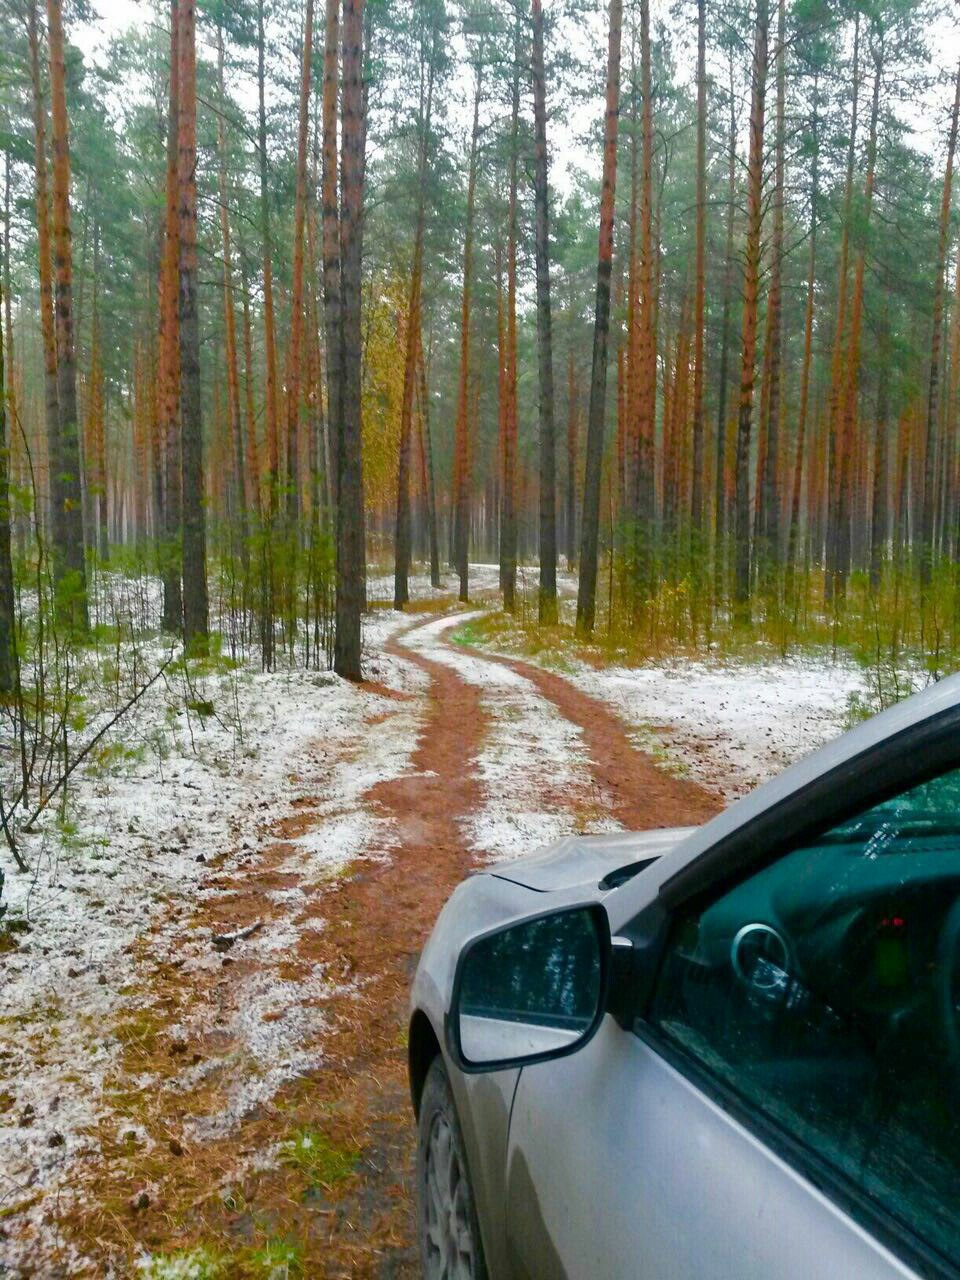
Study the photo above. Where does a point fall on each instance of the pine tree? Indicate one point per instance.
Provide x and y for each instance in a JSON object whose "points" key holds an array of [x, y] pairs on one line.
{"points": [[351, 558], [590, 536], [751, 284], [547, 596], [195, 606], [67, 503]]}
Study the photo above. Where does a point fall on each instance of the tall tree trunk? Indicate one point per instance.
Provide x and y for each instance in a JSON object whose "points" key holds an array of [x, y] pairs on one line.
{"points": [[751, 282], [351, 562], [508, 515], [547, 596], [720, 479], [573, 449], [69, 561], [296, 293], [768, 552], [402, 551], [462, 430], [953, 407], [836, 370], [96, 460], [699, 477], [321, 494], [590, 519], [643, 500], [928, 513], [501, 396], [424, 398], [47, 329], [879, 518], [269, 322], [252, 450], [168, 401], [7, 311], [234, 414], [628, 352], [846, 450], [195, 608], [330, 222], [793, 543], [8, 657]]}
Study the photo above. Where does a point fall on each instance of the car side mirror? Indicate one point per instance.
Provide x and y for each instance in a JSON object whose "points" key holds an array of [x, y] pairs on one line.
{"points": [[531, 991]]}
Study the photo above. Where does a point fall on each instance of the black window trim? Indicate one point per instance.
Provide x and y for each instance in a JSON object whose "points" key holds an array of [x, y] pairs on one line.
{"points": [[917, 754]]}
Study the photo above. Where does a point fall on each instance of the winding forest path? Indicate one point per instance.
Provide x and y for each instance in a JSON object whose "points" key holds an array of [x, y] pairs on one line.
{"points": [[217, 1155]]}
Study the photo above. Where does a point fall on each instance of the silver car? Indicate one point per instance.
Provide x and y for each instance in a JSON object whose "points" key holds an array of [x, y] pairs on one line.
{"points": [[730, 1052]]}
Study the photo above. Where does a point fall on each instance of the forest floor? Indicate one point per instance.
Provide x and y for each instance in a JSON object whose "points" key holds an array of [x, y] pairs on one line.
{"points": [[202, 1024]]}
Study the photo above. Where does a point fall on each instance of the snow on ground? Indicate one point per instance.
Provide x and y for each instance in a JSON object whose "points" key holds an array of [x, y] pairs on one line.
{"points": [[482, 580], [142, 825], [732, 725], [531, 754], [174, 788]]}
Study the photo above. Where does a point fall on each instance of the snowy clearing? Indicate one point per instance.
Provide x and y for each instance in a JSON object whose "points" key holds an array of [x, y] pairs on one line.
{"points": [[254, 789], [730, 726], [134, 855]]}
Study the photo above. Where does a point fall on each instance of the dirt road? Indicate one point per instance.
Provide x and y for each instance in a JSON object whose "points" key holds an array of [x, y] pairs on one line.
{"points": [[261, 1109]]}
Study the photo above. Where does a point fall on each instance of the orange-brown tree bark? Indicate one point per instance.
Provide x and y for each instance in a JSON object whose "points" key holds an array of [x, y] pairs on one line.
{"points": [[252, 447], [423, 398], [168, 374], [8, 653], [768, 550], [269, 321], [846, 442], [402, 548], [573, 450], [296, 293], [94, 436], [720, 443], [47, 328], [234, 414], [879, 499], [643, 498], [698, 486], [834, 443], [65, 467], [928, 510], [793, 537], [751, 287], [461, 514]]}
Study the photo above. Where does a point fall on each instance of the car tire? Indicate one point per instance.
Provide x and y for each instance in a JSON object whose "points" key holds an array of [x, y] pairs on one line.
{"points": [[450, 1246]]}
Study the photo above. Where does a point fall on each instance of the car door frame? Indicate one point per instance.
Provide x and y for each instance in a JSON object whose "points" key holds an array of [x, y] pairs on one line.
{"points": [[917, 753]]}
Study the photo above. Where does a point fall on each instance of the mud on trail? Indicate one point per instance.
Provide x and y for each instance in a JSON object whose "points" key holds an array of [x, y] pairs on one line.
{"points": [[318, 1158]]}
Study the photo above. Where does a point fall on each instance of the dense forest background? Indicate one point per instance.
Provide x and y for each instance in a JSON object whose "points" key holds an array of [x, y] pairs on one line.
{"points": [[287, 291], [636, 326]]}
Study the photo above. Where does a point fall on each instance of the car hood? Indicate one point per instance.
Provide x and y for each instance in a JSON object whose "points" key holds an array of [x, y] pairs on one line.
{"points": [[603, 861]]}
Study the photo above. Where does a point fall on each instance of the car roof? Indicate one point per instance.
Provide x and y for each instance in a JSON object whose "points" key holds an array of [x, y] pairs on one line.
{"points": [[929, 704]]}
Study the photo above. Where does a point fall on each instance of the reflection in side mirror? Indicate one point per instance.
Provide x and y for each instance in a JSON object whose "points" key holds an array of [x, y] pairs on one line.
{"points": [[533, 989]]}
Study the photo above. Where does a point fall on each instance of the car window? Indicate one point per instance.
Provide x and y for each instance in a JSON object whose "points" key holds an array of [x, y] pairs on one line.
{"points": [[825, 991]]}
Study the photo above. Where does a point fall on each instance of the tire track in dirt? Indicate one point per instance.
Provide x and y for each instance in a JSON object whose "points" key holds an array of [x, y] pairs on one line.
{"points": [[642, 793], [536, 781]]}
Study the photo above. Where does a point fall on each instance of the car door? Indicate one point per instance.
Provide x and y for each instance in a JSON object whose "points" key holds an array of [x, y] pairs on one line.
{"points": [[787, 1103]]}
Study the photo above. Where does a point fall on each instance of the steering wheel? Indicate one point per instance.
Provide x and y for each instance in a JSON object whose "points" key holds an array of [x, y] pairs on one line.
{"points": [[948, 984]]}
